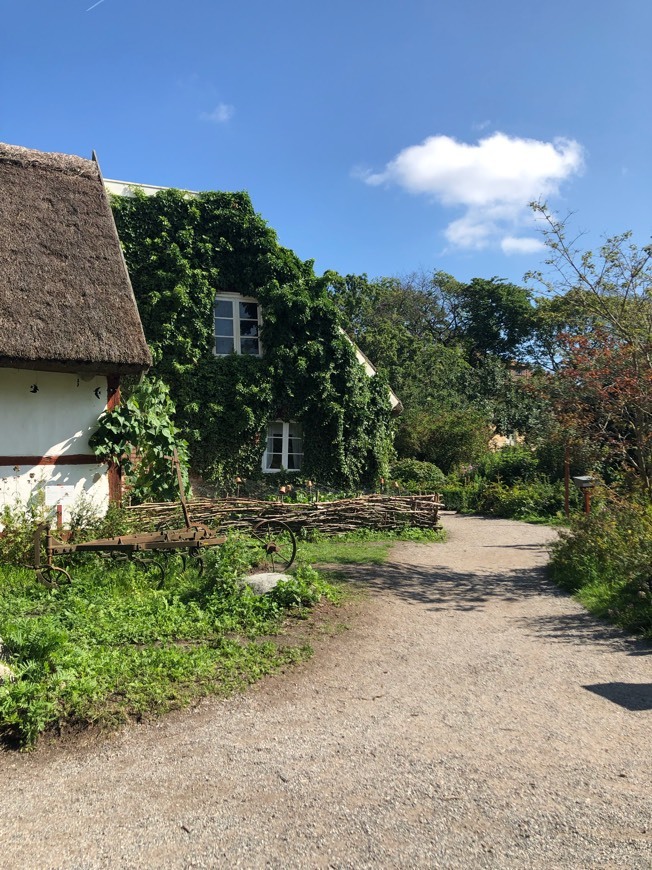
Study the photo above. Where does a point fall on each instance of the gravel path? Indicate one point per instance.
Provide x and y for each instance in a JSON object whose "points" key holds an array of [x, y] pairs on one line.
{"points": [[469, 715]]}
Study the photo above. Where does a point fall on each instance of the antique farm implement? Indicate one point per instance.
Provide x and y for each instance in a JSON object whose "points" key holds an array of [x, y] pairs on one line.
{"points": [[154, 549]]}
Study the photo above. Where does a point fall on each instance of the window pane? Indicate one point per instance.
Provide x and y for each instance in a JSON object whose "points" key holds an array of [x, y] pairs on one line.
{"points": [[223, 327], [294, 462], [248, 311], [223, 308], [249, 346], [223, 346], [274, 460], [294, 445], [248, 328]]}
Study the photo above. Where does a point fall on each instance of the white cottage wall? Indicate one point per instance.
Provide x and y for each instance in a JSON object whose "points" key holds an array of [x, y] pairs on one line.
{"points": [[46, 419]]}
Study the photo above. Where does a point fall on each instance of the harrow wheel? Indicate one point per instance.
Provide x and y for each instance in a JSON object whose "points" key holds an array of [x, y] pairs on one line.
{"points": [[278, 543], [48, 576]]}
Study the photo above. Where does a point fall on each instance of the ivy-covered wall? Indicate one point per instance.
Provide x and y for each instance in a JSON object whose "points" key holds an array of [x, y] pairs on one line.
{"points": [[180, 252]]}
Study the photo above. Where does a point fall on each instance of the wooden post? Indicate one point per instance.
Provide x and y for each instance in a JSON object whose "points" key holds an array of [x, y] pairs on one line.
{"points": [[567, 481], [587, 500], [115, 472]]}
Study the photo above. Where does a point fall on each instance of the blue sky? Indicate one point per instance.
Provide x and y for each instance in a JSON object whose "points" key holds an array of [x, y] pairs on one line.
{"points": [[379, 137]]}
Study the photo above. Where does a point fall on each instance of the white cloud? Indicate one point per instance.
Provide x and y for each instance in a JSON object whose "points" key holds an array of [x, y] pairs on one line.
{"points": [[493, 180], [220, 114], [521, 245]]}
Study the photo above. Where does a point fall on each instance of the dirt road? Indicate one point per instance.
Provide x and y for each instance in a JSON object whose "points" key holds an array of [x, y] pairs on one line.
{"points": [[468, 715]]}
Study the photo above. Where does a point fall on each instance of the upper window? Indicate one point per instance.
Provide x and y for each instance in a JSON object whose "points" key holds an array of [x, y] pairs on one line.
{"points": [[284, 447], [237, 325]]}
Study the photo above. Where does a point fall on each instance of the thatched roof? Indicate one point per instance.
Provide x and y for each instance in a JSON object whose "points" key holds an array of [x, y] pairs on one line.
{"points": [[66, 301]]}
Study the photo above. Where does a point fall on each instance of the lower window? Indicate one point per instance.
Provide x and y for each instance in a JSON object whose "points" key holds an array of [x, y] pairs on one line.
{"points": [[284, 448]]}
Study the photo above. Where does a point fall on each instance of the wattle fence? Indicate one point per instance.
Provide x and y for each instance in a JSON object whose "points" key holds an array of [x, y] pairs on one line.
{"points": [[379, 512]]}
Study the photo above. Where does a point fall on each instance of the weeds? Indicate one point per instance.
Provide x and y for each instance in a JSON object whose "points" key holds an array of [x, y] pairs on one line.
{"points": [[111, 646], [606, 560]]}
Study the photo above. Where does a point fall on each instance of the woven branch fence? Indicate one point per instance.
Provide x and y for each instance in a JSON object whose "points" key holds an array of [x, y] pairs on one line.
{"points": [[380, 512]]}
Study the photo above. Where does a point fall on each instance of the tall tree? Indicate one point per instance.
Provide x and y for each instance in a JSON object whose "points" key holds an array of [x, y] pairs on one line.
{"points": [[602, 388]]}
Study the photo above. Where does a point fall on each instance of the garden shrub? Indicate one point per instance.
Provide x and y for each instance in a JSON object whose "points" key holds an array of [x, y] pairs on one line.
{"points": [[606, 558], [18, 523], [446, 439], [417, 476], [521, 500], [510, 464], [539, 498], [140, 435]]}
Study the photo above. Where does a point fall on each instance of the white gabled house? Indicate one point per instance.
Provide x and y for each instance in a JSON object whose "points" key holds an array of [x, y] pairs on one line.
{"points": [[69, 327]]}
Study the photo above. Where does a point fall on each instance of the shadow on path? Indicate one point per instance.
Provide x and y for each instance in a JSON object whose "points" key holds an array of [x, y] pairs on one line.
{"points": [[442, 588], [582, 627], [631, 696]]}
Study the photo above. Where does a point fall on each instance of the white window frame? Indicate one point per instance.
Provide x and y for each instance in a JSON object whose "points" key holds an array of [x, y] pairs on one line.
{"points": [[285, 448], [235, 299]]}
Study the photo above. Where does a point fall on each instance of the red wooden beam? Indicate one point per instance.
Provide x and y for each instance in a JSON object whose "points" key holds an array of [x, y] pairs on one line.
{"points": [[115, 472], [62, 459]]}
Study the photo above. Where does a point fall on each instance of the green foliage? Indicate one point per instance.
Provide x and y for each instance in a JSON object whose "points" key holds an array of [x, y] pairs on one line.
{"points": [[509, 465], [140, 435], [495, 317], [181, 251], [447, 439], [508, 484], [417, 476], [111, 645], [447, 349], [303, 589], [19, 522], [520, 500], [607, 560]]}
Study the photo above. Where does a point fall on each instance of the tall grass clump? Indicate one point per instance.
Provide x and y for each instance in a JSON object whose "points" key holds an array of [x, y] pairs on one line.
{"points": [[606, 560]]}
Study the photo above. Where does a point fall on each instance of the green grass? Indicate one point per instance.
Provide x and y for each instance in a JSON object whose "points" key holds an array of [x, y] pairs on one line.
{"points": [[360, 548], [112, 646]]}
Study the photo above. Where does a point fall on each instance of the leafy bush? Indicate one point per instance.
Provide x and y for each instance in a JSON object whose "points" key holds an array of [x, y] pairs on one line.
{"points": [[510, 464], [607, 560], [462, 496], [521, 500], [18, 523], [524, 500], [447, 439], [140, 435], [303, 589], [417, 476]]}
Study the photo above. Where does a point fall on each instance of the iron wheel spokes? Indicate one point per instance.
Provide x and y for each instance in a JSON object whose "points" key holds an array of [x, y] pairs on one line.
{"points": [[278, 543], [48, 576]]}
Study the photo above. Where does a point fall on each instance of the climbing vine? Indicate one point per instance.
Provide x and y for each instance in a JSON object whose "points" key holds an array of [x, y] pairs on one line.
{"points": [[140, 434], [181, 251]]}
